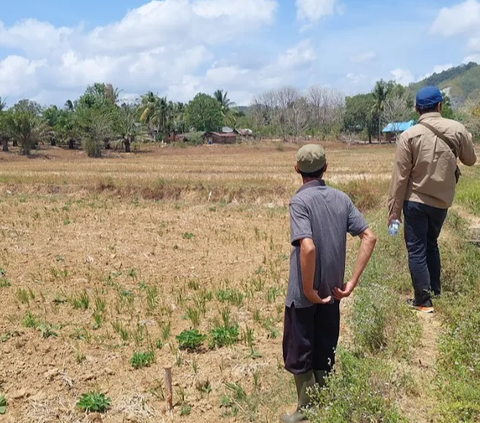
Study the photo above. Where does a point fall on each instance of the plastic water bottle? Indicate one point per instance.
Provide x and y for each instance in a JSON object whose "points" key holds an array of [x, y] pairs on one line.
{"points": [[394, 228]]}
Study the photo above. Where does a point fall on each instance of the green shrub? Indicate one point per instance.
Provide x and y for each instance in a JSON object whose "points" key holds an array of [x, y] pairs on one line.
{"points": [[190, 339], [93, 148]]}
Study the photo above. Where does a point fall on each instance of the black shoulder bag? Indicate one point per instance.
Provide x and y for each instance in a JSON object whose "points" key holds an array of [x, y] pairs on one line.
{"points": [[458, 172]]}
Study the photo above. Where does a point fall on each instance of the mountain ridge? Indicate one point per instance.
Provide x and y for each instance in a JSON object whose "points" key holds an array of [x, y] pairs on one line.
{"points": [[460, 83]]}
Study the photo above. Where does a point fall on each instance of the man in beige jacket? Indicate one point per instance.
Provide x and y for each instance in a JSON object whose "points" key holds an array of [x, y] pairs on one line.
{"points": [[423, 185]]}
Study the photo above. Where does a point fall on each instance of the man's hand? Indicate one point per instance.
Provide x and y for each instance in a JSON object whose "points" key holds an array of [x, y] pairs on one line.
{"points": [[315, 298], [392, 218], [340, 294]]}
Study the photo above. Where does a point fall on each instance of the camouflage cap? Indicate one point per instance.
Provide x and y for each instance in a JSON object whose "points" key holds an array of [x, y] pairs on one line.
{"points": [[311, 158]]}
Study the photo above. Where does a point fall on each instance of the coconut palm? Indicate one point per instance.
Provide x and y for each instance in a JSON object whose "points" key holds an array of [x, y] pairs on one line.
{"points": [[222, 98], [229, 114], [156, 113]]}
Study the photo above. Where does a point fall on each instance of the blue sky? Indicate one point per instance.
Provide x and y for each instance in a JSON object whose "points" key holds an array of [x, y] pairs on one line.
{"points": [[50, 50]]}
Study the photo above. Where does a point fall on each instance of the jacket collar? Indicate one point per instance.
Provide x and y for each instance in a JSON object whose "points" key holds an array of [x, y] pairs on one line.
{"points": [[429, 115], [312, 184]]}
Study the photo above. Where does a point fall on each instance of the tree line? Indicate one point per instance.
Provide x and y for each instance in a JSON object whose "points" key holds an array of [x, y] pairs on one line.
{"points": [[100, 119]]}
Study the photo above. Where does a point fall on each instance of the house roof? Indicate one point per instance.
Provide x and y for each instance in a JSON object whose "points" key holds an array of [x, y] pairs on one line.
{"points": [[244, 131], [227, 130], [398, 126]]}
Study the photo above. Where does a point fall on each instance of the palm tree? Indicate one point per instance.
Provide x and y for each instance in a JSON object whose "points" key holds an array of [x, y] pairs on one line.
{"points": [[229, 115], [222, 98], [156, 112], [127, 125], [178, 118], [68, 105], [380, 94], [27, 129]]}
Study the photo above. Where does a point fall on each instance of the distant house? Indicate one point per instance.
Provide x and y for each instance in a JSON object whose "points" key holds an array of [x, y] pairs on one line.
{"points": [[394, 128], [223, 138], [193, 136]]}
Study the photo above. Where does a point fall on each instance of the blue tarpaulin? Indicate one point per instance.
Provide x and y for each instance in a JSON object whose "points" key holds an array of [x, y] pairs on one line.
{"points": [[398, 126]]}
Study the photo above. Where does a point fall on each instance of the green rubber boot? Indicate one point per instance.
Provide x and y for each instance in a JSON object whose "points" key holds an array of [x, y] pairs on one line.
{"points": [[302, 382], [320, 376]]}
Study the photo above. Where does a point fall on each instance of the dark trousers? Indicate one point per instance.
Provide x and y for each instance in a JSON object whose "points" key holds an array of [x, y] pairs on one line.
{"points": [[310, 337], [423, 225]]}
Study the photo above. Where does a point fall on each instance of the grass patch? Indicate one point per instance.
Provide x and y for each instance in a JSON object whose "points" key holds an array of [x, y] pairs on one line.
{"points": [[142, 359], [381, 322], [468, 190], [361, 390]]}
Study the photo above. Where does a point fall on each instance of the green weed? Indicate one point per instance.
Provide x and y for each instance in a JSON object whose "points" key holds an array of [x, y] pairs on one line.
{"points": [[231, 296], [94, 402], [3, 404], [29, 320], [190, 340], [81, 302], [142, 359]]}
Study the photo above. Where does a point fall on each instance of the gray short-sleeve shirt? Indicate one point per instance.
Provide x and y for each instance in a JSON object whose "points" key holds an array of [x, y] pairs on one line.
{"points": [[325, 215]]}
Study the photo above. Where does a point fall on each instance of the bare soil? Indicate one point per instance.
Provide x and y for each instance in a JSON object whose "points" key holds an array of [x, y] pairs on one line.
{"points": [[72, 225]]}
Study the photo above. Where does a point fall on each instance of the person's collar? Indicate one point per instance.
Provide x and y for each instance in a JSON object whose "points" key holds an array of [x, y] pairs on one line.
{"points": [[312, 184], [429, 115]]}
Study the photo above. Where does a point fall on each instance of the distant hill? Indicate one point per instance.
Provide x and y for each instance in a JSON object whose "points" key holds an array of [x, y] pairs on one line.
{"points": [[460, 83]]}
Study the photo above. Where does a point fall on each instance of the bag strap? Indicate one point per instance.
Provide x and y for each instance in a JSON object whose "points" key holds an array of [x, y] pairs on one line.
{"points": [[441, 136]]}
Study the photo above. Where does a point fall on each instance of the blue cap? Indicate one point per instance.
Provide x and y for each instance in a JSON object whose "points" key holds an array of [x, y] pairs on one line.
{"points": [[428, 97]]}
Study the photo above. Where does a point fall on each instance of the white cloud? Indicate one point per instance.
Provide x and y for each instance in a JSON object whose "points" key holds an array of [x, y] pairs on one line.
{"points": [[363, 57], [403, 76], [472, 58], [462, 18], [243, 82], [436, 69], [356, 78], [18, 76], [314, 10], [159, 45], [300, 55]]}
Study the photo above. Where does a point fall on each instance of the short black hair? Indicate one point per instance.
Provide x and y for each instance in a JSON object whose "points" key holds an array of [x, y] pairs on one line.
{"points": [[431, 109], [318, 174]]}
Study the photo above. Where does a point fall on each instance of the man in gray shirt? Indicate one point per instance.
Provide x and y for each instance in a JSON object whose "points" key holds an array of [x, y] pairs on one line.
{"points": [[320, 218]]}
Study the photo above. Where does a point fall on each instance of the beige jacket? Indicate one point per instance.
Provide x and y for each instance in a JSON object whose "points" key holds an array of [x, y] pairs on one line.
{"points": [[424, 167]]}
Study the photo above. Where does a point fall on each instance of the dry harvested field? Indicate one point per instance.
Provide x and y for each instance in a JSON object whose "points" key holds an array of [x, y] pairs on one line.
{"points": [[104, 258]]}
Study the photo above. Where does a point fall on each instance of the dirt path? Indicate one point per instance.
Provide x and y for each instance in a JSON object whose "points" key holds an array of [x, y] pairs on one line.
{"points": [[420, 406]]}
